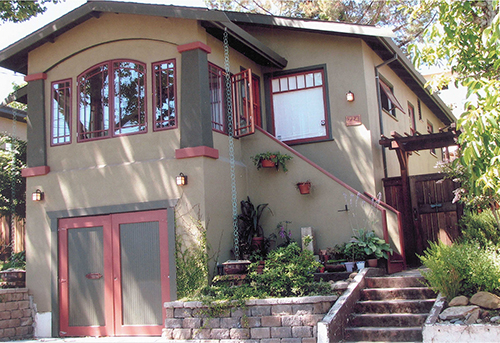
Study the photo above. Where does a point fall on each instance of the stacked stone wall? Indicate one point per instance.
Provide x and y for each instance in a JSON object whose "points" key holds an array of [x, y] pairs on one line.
{"points": [[16, 314], [284, 320]]}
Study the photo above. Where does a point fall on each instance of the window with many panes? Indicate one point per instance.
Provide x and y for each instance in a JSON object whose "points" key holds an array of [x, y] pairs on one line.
{"points": [[216, 81], [111, 100], [299, 106], [388, 100], [164, 95], [61, 112]]}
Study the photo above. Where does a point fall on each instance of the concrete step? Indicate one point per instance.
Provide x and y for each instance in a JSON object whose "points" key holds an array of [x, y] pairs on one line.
{"points": [[385, 334], [397, 293], [394, 306], [388, 319], [394, 282]]}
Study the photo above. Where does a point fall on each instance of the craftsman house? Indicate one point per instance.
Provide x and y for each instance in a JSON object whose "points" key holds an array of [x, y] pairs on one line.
{"points": [[124, 98]]}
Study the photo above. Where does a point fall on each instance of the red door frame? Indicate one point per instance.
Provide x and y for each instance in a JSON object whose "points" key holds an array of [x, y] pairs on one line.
{"points": [[112, 273]]}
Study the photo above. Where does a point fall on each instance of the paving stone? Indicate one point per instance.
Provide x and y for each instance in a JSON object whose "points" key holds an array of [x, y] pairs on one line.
{"points": [[239, 333], [259, 333], [202, 334], [281, 309], [191, 323], [301, 331], [182, 334], [302, 309], [229, 323], [253, 322], [456, 312], [173, 323], [260, 311], [220, 334], [271, 321], [291, 321]]}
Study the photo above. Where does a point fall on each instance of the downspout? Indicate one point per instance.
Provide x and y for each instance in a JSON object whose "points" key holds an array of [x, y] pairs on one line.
{"points": [[381, 124]]}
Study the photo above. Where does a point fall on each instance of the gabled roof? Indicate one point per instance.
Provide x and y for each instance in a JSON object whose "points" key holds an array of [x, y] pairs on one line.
{"points": [[15, 56]]}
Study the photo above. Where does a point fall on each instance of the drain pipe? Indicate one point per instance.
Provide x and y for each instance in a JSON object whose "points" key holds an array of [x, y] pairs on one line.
{"points": [[380, 111]]}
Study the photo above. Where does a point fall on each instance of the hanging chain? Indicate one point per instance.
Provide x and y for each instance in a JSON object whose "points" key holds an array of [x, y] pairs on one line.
{"points": [[13, 182], [229, 107]]}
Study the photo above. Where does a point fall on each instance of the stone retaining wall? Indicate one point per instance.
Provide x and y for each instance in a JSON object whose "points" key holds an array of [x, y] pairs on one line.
{"points": [[16, 314], [283, 320]]}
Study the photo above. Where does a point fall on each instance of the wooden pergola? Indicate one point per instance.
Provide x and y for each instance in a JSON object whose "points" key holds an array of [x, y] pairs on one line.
{"points": [[404, 146]]}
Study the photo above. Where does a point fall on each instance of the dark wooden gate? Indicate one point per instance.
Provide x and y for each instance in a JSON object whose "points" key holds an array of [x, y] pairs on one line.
{"points": [[434, 216]]}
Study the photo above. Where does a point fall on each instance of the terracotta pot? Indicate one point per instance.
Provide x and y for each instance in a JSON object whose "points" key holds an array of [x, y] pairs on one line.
{"points": [[304, 187], [267, 164], [372, 262], [236, 266], [257, 243]]}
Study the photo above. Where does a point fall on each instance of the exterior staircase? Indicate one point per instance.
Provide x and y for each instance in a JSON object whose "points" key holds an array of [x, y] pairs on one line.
{"points": [[390, 309]]}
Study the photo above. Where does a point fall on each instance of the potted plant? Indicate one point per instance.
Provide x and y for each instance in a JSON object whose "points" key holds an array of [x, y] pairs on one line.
{"points": [[304, 187], [13, 272], [374, 247], [271, 159], [354, 253], [251, 234]]}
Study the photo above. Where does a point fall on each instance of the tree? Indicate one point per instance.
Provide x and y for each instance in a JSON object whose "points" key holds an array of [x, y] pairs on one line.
{"points": [[19, 11], [393, 14], [466, 39]]}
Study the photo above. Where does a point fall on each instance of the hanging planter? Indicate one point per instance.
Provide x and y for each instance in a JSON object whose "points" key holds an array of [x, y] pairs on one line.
{"points": [[304, 187], [271, 159]]}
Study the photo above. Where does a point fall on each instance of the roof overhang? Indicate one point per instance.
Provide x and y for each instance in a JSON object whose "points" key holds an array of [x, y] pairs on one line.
{"points": [[15, 56]]}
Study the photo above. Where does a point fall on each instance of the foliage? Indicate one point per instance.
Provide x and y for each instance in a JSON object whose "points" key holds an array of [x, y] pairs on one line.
{"points": [[288, 271], [191, 260], [19, 11], [462, 268], [381, 13], [465, 38], [12, 184], [278, 158], [481, 228], [284, 233], [249, 224], [16, 261], [354, 252], [372, 246]]}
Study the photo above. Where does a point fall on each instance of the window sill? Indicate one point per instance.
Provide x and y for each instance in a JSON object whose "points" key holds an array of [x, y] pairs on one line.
{"points": [[390, 115], [321, 140]]}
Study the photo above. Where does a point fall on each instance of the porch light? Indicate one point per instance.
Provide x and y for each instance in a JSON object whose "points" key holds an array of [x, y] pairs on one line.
{"points": [[181, 180], [350, 96], [37, 195]]}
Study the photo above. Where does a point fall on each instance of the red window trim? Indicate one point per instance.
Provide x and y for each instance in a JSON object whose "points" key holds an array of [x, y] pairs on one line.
{"points": [[111, 107], [70, 114], [223, 99], [176, 125], [323, 85]]}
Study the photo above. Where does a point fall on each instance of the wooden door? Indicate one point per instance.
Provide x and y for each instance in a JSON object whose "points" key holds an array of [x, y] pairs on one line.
{"points": [[435, 217], [113, 274]]}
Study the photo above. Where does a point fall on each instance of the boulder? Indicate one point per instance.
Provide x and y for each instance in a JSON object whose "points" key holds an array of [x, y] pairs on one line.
{"points": [[340, 285], [457, 312], [461, 300], [472, 317], [486, 300]]}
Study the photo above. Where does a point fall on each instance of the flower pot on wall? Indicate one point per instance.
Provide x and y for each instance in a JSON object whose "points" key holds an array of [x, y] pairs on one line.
{"points": [[304, 187], [236, 266], [268, 164], [372, 262], [349, 266], [257, 243]]}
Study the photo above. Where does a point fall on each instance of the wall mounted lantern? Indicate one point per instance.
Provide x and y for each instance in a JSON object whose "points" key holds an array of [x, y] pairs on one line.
{"points": [[181, 180], [37, 195], [350, 96]]}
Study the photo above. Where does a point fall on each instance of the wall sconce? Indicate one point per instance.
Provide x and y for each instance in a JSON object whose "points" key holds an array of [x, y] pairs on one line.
{"points": [[350, 96], [181, 180], [37, 195]]}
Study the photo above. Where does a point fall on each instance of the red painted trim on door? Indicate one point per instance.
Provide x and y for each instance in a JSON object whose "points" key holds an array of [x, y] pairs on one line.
{"points": [[35, 171], [199, 151], [194, 46]]}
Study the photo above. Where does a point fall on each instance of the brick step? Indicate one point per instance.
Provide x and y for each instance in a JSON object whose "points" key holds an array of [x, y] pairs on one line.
{"points": [[394, 282], [394, 306], [397, 293], [388, 319], [386, 334]]}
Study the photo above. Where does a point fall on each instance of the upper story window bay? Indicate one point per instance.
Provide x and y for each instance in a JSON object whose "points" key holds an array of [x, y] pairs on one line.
{"points": [[111, 100]]}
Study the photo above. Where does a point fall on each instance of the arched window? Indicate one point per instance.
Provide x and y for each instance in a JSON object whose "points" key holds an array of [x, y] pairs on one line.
{"points": [[111, 100]]}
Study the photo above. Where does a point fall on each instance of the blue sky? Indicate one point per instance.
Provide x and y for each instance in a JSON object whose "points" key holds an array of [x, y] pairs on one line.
{"points": [[12, 32]]}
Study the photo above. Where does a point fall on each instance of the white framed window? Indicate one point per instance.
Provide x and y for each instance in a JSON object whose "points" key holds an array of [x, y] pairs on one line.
{"points": [[299, 106]]}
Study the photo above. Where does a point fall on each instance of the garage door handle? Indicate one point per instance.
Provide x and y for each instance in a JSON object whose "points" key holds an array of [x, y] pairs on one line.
{"points": [[93, 276]]}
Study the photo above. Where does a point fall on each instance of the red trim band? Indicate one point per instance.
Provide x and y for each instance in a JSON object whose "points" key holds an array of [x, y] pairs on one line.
{"points": [[199, 151], [35, 171], [194, 46], [34, 77]]}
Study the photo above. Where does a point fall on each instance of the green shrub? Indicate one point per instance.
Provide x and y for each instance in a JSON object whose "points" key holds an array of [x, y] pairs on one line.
{"points": [[480, 228], [462, 268], [289, 271]]}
